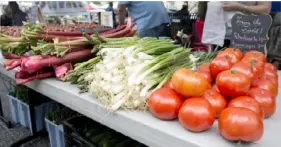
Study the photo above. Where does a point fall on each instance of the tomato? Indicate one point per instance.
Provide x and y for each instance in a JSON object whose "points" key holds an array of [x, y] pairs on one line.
{"points": [[168, 84], [270, 71], [188, 83], [240, 124], [218, 65], [266, 99], [232, 83], [234, 55], [217, 101], [268, 85], [206, 75], [244, 68], [270, 78], [204, 67], [164, 103], [215, 87], [256, 65], [270, 67], [196, 114], [236, 52], [259, 56], [267, 73], [248, 103]]}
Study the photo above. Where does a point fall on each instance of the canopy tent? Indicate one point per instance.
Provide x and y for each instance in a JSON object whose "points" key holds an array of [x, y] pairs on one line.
{"points": [[62, 8]]}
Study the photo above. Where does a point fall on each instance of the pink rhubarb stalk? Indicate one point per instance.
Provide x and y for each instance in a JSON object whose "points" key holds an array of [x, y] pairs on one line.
{"points": [[36, 76], [61, 71], [33, 65]]}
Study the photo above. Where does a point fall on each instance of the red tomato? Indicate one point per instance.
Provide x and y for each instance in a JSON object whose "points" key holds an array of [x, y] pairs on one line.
{"points": [[256, 65], [215, 87], [204, 67], [244, 68], [218, 65], [232, 83], [234, 55], [270, 71], [265, 98], [268, 85], [217, 101], [240, 124], [270, 67], [164, 103], [270, 78], [188, 83], [206, 75], [168, 84], [248, 103], [196, 114], [259, 56]]}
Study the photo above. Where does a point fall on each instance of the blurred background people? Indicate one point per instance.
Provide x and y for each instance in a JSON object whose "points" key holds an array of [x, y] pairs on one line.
{"points": [[16, 14], [6, 19], [151, 17], [111, 9], [217, 25]]}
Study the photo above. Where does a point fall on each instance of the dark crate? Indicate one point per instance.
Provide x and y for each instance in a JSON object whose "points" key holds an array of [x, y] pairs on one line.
{"points": [[72, 127], [75, 126], [182, 21]]}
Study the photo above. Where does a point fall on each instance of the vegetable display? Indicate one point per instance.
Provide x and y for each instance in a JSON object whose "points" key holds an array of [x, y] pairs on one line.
{"points": [[127, 75], [124, 71], [242, 95]]}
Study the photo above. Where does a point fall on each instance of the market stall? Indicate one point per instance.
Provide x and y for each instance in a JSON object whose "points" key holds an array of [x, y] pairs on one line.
{"points": [[153, 90], [142, 126]]}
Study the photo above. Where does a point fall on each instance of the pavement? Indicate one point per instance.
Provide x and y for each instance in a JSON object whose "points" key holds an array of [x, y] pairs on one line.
{"points": [[9, 136]]}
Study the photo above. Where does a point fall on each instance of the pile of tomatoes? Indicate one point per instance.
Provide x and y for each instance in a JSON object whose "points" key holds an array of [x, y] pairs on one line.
{"points": [[238, 90]]}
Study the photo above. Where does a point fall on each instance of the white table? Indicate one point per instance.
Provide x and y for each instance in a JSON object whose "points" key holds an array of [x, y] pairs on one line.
{"points": [[142, 126]]}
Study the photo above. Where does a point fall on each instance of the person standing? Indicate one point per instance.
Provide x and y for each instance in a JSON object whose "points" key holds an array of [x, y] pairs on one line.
{"points": [[111, 9], [151, 17], [6, 17], [18, 17]]}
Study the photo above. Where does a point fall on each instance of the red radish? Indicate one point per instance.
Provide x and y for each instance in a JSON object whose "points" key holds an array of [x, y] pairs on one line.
{"points": [[61, 71], [37, 76], [34, 65]]}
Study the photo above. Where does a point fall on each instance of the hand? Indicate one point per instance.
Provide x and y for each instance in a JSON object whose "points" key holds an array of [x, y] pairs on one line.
{"points": [[232, 6]]}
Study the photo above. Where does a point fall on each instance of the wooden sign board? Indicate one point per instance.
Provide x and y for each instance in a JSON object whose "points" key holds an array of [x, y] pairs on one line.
{"points": [[249, 32]]}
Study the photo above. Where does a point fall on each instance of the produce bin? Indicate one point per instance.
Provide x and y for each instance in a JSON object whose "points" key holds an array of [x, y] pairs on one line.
{"points": [[21, 113], [81, 131], [56, 134], [72, 127]]}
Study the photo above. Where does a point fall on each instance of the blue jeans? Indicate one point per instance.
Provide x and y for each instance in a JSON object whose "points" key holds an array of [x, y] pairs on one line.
{"points": [[161, 30]]}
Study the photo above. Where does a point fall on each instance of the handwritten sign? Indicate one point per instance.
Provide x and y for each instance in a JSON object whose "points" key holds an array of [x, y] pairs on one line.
{"points": [[249, 32]]}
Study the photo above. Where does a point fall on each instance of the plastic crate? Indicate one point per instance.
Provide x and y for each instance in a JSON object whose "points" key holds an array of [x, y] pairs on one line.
{"points": [[75, 126], [21, 113], [182, 21], [56, 134], [71, 129]]}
